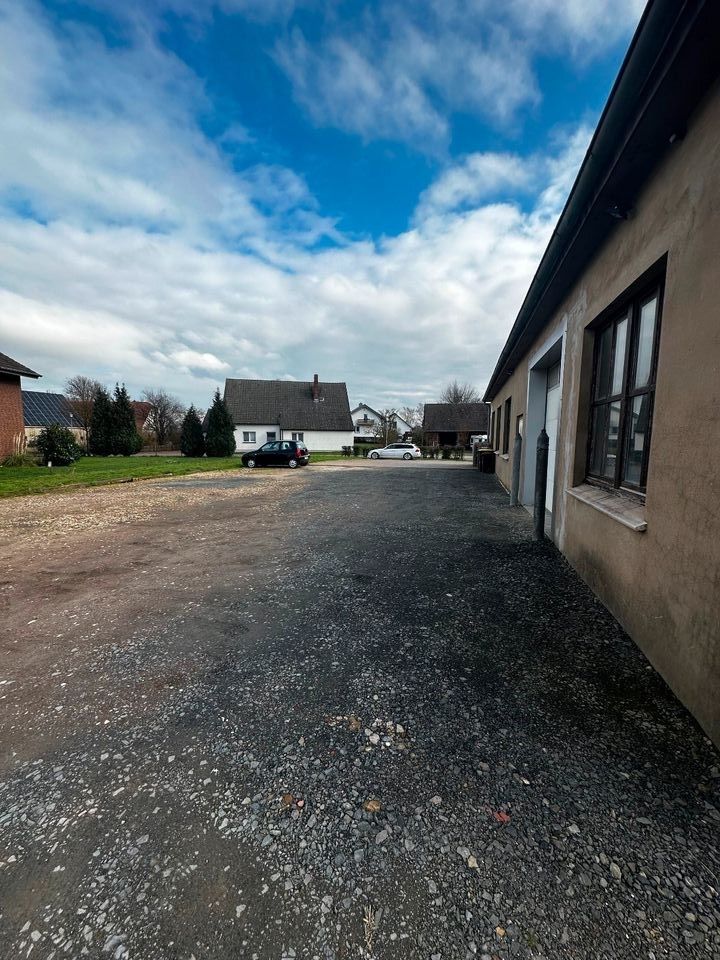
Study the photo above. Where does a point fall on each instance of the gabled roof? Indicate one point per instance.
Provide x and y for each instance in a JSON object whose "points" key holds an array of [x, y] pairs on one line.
{"points": [[141, 410], [289, 403], [367, 407], [670, 65], [8, 365], [43, 409], [456, 417]]}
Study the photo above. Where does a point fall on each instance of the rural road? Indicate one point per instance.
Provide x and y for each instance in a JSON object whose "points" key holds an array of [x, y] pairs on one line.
{"points": [[348, 711]]}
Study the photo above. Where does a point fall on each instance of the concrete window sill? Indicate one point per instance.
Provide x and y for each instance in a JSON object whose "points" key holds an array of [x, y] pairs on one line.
{"points": [[504, 456], [612, 504]]}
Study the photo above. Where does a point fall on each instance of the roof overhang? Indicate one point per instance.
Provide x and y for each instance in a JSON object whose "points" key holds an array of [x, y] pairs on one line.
{"points": [[672, 61]]}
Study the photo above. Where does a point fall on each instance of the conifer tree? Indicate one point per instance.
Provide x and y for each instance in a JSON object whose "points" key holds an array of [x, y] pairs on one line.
{"points": [[220, 439], [125, 439], [101, 424], [192, 439]]}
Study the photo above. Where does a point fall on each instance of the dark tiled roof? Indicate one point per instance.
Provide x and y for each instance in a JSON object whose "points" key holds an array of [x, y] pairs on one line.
{"points": [[43, 409], [8, 365], [289, 402], [141, 410], [458, 417]]}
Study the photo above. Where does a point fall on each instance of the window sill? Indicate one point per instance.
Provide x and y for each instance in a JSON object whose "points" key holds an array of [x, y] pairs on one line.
{"points": [[504, 456], [612, 504]]}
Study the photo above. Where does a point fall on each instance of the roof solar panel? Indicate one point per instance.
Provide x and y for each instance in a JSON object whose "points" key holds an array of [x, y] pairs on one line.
{"points": [[43, 409]]}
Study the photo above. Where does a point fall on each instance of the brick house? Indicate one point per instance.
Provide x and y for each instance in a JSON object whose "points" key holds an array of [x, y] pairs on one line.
{"points": [[12, 422]]}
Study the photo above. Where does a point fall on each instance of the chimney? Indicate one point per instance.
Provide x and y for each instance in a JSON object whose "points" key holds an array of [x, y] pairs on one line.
{"points": [[316, 388]]}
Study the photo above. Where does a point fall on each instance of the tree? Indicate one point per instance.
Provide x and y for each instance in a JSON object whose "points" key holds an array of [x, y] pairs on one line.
{"points": [[460, 393], [166, 414], [220, 438], [192, 439], [125, 440], [385, 429], [413, 415], [80, 391], [57, 445], [102, 424]]}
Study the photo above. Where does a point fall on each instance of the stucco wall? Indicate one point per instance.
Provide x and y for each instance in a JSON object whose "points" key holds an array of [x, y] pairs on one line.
{"points": [[314, 439], [12, 425], [662, 584], [260, 432]]}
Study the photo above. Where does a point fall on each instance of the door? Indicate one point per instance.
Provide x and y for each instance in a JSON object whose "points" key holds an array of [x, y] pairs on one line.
{"points": [[287, 452], [552, 420], [268, 454]]}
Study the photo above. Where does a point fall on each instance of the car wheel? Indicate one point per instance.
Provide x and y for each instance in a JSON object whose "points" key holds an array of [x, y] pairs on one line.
{"points": [[374, 456], [292, 463], [250, 463], [407, 456]]}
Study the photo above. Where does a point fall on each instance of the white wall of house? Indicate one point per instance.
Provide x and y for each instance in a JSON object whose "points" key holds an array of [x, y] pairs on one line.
{"points": [[322, 439], [258, 436], [358, 413], [313, 439]]}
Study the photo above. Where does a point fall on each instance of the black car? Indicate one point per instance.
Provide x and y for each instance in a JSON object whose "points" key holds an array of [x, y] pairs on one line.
{"points": [[278, 453]]}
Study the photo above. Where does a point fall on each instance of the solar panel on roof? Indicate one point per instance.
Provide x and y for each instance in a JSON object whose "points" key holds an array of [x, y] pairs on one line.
{"points": [[43, 409]]}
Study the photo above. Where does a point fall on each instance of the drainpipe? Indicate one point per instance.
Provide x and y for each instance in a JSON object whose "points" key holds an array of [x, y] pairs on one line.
{"points": [[541, 465]]}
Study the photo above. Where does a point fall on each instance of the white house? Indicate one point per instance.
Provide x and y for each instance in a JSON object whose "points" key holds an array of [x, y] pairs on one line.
{"points": [[365, 419], [316, 413]]}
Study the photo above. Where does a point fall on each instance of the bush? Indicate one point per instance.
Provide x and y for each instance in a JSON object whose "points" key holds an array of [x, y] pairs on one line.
{"points": [[192, 439], [57, 445], [446, 451], [459, 452], [347, 451], [356, 451], [19, 460]]}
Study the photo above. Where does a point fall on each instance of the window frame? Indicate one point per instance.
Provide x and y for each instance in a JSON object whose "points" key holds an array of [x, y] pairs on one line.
{"points": [[498, 425], [298, 436], [249, 436], [271, 435], [628, 306], [507, 419]]}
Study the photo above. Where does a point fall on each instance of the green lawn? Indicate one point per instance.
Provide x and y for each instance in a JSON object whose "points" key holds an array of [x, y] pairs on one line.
{"points": [[96, 471]]}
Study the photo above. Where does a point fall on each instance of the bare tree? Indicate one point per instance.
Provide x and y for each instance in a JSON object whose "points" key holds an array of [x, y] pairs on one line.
{"points": [[80, 392], [413, 415], [460, 393], [165, 416], [385, 429]]}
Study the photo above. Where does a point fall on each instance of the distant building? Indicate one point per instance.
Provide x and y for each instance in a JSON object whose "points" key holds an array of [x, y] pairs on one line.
{"points": [[453, 424], [616, 354], [142, 410], [44, 409], [12, 423], [314, 412], [366, 419]]}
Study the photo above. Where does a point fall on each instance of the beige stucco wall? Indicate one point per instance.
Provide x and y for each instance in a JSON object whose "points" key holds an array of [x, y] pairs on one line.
{"points": [[662, 584]]}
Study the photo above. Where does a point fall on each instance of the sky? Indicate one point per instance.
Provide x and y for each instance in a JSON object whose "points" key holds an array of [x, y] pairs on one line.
{"points": [[198, 189]]}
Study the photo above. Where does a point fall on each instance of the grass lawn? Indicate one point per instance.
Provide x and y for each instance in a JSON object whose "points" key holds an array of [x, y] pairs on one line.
{"points": [[96, 471]]}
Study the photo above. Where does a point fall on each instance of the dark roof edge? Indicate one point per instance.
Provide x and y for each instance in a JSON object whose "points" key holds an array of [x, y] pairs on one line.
{"points": [[653, 50], [17, 369]]}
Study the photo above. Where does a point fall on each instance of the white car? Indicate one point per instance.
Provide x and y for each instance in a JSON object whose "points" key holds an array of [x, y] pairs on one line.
{"points": [[397, 451]]}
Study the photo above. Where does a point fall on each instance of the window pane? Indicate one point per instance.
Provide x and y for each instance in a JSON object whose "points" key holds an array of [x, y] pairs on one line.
{"points": [[602, 363], [619, 360], [637, 437], [605, 431], [646, 335]]}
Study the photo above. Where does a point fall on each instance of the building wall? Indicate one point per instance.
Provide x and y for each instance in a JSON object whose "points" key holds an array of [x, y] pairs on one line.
{"points": [[663, 584], [12, 425], [314, 439], [32, 433]]}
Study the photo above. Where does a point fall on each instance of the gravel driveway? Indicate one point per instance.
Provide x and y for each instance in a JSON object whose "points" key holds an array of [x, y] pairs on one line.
{"points": [[340, 712]]}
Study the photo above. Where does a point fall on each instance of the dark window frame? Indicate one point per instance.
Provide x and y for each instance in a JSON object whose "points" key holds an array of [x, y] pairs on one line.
{"points": [[628, 306], [498, 423], [507, 418]]}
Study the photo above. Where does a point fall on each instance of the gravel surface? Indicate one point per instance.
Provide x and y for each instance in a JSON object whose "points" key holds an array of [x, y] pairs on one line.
{"points": [[341, 712]]}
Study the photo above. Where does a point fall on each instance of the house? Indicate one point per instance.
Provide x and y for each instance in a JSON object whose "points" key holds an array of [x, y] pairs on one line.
{"points": [[452, 424], [316, 413], [616, 354], [366, 419], [141, 411], [42, 409], [12, 424]]}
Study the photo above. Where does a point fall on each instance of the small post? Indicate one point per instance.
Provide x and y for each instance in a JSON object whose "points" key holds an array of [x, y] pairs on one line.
{"points": [[515, 484], [541, 466]]}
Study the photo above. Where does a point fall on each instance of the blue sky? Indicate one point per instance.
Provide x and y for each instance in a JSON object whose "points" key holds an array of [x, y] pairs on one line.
{"points": [[191, 190]]}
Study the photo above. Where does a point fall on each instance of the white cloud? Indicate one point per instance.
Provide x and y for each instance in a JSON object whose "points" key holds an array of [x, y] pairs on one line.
{"points": [[400, 69], [153, 261]]}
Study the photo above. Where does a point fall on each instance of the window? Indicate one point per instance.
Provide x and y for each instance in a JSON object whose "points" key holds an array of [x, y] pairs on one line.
{"points": [[506, 425], [498, 419], [519, 425], [272, 435], [623, 392], [249, 436], [298, 436]]}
